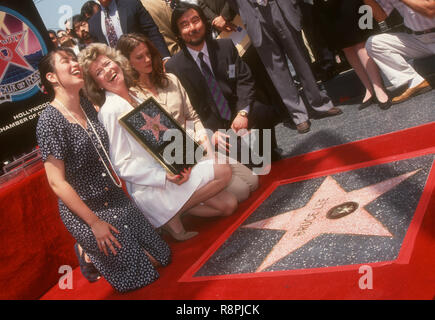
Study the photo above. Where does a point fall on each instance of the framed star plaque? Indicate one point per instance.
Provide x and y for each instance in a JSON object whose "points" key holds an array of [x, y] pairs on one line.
{"points": [[162, 136]]}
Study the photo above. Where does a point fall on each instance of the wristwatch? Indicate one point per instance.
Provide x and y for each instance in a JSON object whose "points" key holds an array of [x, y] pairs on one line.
{"points": [[243, 113]]}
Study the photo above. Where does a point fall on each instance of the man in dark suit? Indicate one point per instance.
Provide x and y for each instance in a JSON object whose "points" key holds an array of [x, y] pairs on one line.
{"points": [[274, 27], [118, 17], [219, 84], [219, 14]]}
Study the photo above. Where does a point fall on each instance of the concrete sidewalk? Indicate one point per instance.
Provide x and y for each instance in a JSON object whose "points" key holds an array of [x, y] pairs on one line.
{"points": [[353, 124]]}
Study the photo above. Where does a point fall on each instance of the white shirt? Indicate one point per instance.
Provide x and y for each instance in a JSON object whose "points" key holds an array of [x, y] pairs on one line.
{"points": [[130, 160], [206, 57], [114, 16], [76, 49], [412, 19]]}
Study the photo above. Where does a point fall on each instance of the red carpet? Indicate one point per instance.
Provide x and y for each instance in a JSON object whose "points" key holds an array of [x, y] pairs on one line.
{"points": [[36, 244], [410, 276]]}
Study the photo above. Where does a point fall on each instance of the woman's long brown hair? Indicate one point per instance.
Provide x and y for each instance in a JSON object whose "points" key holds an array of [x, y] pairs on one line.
{"points": [[128, 42]]}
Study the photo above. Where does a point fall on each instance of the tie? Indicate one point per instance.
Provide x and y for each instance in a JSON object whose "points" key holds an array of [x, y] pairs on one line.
{"points": [[218, 97], [110, 29]]}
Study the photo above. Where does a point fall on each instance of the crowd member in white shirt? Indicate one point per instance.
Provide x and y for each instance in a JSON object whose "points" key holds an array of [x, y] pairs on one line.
{"points": [[392, 50]]}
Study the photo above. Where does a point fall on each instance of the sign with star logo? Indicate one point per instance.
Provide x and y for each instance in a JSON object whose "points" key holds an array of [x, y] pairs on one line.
{"points": [[21, 48], [23, 42], [165, 139], [349, 218]]}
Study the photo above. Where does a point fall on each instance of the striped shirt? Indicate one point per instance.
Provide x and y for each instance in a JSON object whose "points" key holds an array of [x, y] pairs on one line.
{"points": [[412, 19]]}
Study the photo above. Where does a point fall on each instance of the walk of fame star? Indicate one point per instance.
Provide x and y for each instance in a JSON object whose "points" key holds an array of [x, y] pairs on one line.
{"points": [[330, 210], [153, 124], [9, 53]]}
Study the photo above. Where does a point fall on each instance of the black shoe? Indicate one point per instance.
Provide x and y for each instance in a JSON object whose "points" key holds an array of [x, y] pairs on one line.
{"points": [[87, 268], [366, 104], [386, 105]]}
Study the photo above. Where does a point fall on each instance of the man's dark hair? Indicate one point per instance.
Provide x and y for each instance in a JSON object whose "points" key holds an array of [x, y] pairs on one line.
{"points": [[180, 9], [52, 32], [76, 19], [87, 9]]}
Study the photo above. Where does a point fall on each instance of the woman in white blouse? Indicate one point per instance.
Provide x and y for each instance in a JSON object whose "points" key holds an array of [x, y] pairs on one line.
{"points": [[162, 197]]}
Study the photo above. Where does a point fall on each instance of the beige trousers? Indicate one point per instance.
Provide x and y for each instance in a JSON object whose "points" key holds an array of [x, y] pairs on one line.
{"points": [[243, 182], [391, 52]]}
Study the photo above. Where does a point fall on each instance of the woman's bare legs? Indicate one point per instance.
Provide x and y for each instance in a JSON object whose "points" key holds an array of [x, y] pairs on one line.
{"points": [[354, 61], [153, 260], [222, 204], [367, 71], [372, 71], [87, 259], [174, 225], [222, 174]]}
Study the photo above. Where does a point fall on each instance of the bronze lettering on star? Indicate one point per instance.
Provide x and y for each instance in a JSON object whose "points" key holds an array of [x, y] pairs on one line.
{"points": [[342, 210], [310, 217]]}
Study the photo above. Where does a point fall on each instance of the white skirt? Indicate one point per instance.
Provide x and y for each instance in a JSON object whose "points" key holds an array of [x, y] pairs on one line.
{"points": [[159, 205]]}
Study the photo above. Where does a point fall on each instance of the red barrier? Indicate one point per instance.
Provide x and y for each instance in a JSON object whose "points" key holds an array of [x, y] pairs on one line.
{"points": [[34, 241]]}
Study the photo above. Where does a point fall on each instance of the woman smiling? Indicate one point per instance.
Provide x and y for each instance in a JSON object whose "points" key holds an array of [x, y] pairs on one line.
{"points": [[116, 237], [161, 196]]}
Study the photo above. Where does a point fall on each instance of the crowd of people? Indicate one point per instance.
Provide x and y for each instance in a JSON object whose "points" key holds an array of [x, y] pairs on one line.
{"points": [[118, 53]]}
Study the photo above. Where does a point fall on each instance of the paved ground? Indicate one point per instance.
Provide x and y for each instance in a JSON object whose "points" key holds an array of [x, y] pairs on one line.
{"points": [[353, 124]]}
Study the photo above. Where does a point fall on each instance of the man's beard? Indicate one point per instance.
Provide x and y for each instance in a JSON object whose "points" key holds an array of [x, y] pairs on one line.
{"points": [[85, 36], [196, 42]]}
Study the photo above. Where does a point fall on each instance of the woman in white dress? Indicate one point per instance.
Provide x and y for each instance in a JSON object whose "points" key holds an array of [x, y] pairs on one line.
{"points": [[162, 197]]}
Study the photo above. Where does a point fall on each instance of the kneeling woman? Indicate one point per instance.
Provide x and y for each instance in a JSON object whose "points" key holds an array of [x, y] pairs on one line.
{"points": [[113, 232], [161, 196]]}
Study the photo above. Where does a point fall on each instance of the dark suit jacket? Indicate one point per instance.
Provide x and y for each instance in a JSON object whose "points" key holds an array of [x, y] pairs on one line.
{"points": [[134, 18], [239, 91], [215, 8]]}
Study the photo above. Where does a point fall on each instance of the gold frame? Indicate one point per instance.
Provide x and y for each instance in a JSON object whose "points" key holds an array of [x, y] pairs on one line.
{"points": [[123, 120]]}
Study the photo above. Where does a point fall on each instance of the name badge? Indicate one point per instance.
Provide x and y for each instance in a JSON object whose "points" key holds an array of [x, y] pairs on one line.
{"points": [[232, 71]]}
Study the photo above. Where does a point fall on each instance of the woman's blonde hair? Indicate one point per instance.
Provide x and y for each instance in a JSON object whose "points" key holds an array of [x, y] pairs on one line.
{"points": [[88, 55]]}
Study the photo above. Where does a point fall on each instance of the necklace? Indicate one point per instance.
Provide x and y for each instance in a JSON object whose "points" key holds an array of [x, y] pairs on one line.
{"points": [[115, 180]]}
